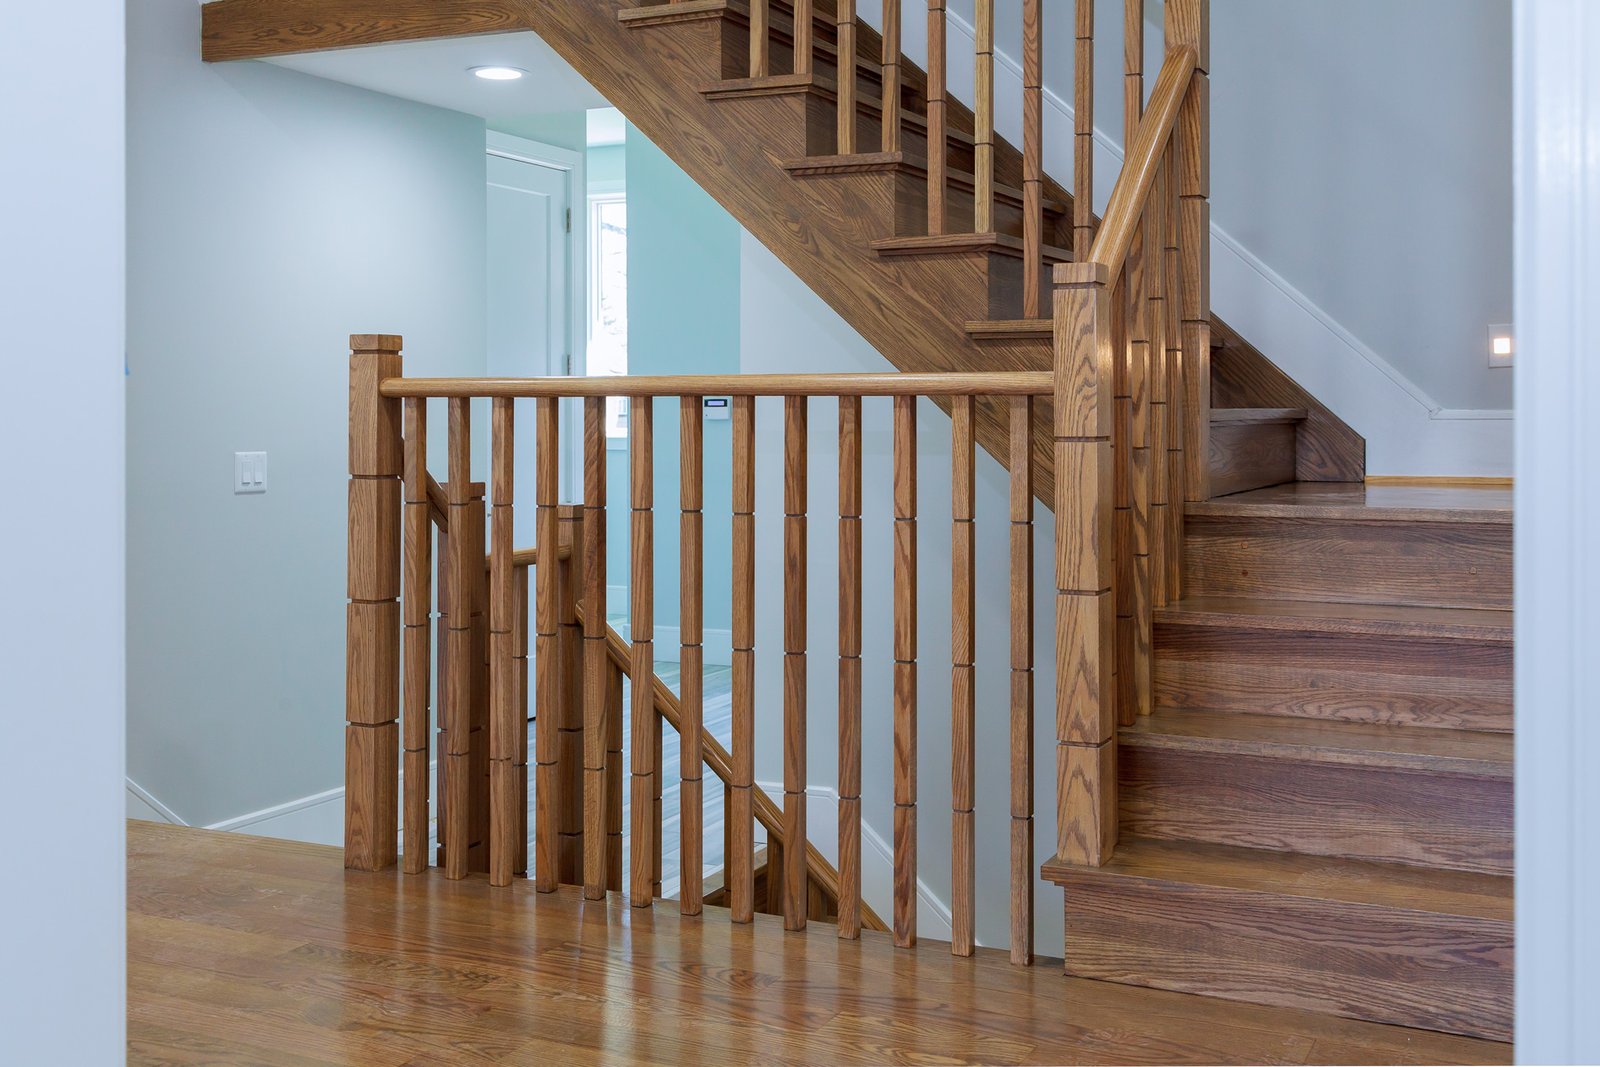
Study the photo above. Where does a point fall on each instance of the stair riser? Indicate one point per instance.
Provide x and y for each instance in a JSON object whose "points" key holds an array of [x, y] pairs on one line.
{"points": [[1451, 565], [1248, 456], [1338, 810], [1409, 968], [1403, 681]]}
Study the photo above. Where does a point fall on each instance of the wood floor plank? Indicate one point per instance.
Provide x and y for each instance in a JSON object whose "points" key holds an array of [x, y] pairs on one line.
{"points": [[246, 950]]}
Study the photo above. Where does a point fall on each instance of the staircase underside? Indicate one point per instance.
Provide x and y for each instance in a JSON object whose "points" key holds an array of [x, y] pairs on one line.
{"points": [[852, 228]]}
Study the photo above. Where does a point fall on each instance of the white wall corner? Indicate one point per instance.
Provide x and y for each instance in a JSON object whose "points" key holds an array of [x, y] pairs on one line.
{"points": [[1408, 432]]}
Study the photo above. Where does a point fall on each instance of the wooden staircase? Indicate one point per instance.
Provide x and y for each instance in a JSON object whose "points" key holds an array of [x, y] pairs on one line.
{"points": [[1318, 813], [1284, 747]]}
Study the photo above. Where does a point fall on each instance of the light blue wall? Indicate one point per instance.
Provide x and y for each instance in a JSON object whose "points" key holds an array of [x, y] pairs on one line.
{"points": [[683, 318], [270, 215], [607, 167]]}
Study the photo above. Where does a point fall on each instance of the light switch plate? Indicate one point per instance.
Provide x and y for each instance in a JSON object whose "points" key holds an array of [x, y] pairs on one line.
{"points": [[249, 472]]}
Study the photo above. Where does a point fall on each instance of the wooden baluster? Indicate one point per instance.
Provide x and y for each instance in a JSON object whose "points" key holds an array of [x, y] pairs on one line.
{"points": [[547, 666], [1188, 22], [442, 690], [570, 731], [505, 719], [1086, 819], [1132, 68], [478, 765], [890, 140], [417, 611], [760, 38], [656, 810], [642, 670], [614, 778], [455, 834], [845, 28], [804, 34], [1134, 691], [1175, 387], [1156, 252], [849, 666], [963, 709], [691, 611], [937, 135], [795, 872], [983, 120], [519, 641], [1032, 158], [741, 872], [596, 665], [1021, 463], [905, 671], [1083, 132], [372, 634]]}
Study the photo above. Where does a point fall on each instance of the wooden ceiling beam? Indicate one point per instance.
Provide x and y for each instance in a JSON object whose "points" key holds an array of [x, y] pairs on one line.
{"points": [[257, 29]]}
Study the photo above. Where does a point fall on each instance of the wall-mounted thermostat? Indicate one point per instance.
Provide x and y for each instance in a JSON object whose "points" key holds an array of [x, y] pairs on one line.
{"points": [[717, 407]]}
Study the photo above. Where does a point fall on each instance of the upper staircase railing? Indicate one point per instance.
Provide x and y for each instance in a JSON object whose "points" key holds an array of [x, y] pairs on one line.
{"points": [[1130, 397]]}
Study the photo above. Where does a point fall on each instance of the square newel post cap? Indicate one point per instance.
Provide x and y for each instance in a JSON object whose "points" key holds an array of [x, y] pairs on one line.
{"points": [[375, 342], [1082, 275]]}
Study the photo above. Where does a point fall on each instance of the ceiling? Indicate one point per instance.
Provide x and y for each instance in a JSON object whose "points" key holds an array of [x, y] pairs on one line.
{"points": [[436, 72]]}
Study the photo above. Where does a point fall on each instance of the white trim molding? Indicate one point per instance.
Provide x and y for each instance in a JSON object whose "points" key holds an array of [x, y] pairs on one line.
{"points": [[1557, 256]]}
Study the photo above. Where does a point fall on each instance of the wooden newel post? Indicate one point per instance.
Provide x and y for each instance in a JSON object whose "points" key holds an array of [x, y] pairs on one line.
{"points": [[1086, 767], [372, 636]]}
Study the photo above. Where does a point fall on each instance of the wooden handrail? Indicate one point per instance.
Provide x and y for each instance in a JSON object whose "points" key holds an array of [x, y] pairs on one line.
{"points": [[1003, 383], [1143, 163], [767, 811]]}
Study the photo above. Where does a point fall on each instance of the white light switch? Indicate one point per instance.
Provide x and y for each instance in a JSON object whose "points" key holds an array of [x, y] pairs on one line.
{"points": [[249, 472]]}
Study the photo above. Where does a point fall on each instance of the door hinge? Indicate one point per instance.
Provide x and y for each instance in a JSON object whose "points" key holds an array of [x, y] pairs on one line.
{"points": [[568, 364], [569, 220]]}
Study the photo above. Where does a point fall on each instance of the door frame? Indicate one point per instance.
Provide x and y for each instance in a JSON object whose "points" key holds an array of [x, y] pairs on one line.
{"points": [[576, 271]]}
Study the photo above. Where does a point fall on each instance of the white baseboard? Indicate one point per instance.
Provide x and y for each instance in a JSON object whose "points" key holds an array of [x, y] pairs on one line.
{"points": [[877, 862], [317, 819], [143, 805]]}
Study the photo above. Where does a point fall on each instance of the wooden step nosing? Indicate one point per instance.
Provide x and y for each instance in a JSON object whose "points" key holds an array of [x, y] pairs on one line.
{"points": [[1325, 619], [1257, 416], [891, 162], [1372, 515], [1328, 754], [1477, 896], [685, 11], [1002, 244]]}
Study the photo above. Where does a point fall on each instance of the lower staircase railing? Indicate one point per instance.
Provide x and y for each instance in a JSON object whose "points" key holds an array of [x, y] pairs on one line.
{"points": [[491, 611]]}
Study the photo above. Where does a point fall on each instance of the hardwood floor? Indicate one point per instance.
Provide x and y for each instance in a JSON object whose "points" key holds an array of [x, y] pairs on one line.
{"points": [[248, 951]]}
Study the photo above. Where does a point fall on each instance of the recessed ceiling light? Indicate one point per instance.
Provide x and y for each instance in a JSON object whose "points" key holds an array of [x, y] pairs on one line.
{"points": [[498, 74]]}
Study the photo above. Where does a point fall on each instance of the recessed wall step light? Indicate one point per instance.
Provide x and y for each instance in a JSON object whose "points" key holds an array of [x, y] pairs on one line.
{"points": [[497, 74]]}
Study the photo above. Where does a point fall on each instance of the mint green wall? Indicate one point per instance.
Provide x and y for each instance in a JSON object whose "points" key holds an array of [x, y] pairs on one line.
{"points": [[683, 318], [606, 167]]}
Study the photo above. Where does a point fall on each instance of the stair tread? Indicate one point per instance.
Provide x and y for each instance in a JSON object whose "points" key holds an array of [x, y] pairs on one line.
{"points": [[1359, 501], [1306, 616], [963, 242], [873, 162], [1257, 415], [1011, 329], [1364, 882], [1478, 754]]}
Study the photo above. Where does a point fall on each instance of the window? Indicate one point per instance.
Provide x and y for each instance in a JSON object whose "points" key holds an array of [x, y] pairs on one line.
{"points": [[608, 298]]}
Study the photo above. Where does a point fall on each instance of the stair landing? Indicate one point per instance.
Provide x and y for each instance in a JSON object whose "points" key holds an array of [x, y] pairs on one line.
{"points": [[244, 949]]}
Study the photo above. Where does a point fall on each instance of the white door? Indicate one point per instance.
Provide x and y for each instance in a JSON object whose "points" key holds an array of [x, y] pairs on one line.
{"points": [[533, 264]]}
